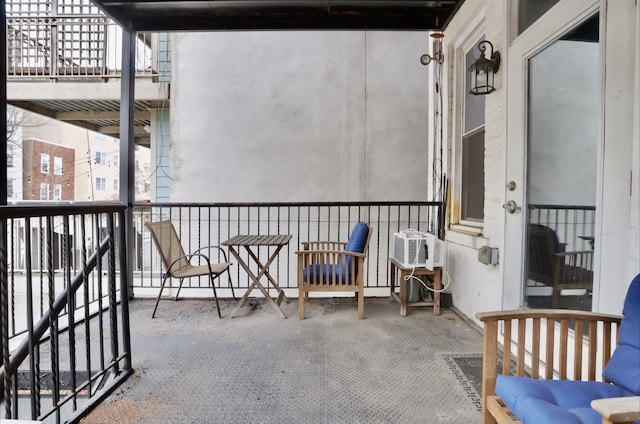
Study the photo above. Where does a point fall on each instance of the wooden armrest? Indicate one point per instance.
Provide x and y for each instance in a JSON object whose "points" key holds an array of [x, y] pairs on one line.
{"points": [[331, 252], [534, 340], [574, 253], [618, 410], [545, 313]]}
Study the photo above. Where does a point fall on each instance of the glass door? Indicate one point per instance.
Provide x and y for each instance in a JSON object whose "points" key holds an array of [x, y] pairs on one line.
{"points": [[552, 155], [563, 130]]}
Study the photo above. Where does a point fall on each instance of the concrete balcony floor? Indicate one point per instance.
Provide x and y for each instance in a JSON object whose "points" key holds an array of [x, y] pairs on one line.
{"points": [[191, 367]]}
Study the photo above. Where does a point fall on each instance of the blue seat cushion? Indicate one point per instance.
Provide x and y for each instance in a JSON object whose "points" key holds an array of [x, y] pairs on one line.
{"points": [[554, 401], [623, 369], [326, 274]]}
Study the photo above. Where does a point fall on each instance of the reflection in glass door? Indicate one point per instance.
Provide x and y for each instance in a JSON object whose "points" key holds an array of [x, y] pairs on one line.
{"points": [[563, 131]]}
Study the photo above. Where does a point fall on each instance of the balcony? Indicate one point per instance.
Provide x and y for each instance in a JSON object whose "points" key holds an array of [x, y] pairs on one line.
{"points": [[67, 325], [65, 276]]}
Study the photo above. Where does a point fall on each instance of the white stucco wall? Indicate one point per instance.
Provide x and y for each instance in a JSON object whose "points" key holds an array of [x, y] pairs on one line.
{"points": [[618, 200], [298, 116], [476, 287]]}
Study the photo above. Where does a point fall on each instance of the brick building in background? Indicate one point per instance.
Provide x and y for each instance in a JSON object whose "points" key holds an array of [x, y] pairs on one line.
{"points": [[49, 171]]}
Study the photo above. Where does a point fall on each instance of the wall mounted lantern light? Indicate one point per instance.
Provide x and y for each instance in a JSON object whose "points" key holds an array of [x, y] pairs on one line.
{"points": [[482, 71]]}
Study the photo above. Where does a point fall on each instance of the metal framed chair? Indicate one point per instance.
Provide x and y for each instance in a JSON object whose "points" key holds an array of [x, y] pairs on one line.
{"points": [[178, 264]]}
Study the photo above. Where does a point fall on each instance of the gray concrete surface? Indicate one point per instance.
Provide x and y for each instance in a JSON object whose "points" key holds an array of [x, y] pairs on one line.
{"points": [[191, 367]]}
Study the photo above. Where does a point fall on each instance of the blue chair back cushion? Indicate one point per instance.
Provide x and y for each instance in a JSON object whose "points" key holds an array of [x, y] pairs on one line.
{"points": [[623, 368], [358, 238], [356, 242]]}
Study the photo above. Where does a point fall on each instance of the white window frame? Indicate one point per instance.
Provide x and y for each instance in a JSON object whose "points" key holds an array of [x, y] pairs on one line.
{"points": [[10, 155], [11, 188], [45, 163], [44, 191], [57, 165], [57, 192], [101, 184], [101, 158], [465, 42]]}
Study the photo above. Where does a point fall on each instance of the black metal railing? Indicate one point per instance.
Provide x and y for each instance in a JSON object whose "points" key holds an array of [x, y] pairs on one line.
{"points": [[65, 325], [59, 269], [202, 225]]}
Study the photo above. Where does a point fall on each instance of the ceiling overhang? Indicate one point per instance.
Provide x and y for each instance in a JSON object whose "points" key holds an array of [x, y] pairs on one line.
{"points": [[221, 15]]}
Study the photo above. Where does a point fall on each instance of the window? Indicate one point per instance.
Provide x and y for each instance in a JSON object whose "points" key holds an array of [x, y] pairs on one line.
{"points": [[530, 10], [10, 155], [57, 165], [116, 186], [57, 192], [11, 188], [116, 161], [101, 158], [473, 176], [44, 163], [44, 191], [101, 184], [472, 150]]}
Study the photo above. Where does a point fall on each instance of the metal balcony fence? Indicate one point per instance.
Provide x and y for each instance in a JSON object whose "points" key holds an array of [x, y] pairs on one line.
{"points": [[65, 324], [65, 329], [69, 39], [201, 225]]}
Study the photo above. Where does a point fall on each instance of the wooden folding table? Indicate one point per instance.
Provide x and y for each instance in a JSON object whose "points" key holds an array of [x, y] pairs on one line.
{"points": [[248, 242]]}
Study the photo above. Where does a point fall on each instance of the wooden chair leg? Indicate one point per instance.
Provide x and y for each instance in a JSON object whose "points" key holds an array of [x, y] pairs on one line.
{"points": [[301, 296], [164, 280], [360, 296]]}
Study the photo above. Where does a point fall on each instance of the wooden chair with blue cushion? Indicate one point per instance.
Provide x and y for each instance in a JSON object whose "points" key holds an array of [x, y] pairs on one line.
{"points": [[551, 265], [569, 391], [333, 266]]}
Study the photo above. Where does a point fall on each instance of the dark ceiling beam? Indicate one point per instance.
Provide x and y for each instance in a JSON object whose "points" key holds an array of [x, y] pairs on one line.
{"points": [[179, 15]]}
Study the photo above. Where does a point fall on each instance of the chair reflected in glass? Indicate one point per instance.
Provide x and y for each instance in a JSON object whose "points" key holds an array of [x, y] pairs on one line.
{"points": [[550, 265], [178, 264]]}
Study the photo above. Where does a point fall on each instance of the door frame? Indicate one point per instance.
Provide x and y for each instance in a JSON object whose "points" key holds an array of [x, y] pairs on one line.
{"points": [[559, 19]]}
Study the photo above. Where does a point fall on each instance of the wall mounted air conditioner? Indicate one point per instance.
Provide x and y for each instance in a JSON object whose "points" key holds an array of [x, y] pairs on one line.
{"points": [[415, 249]]}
